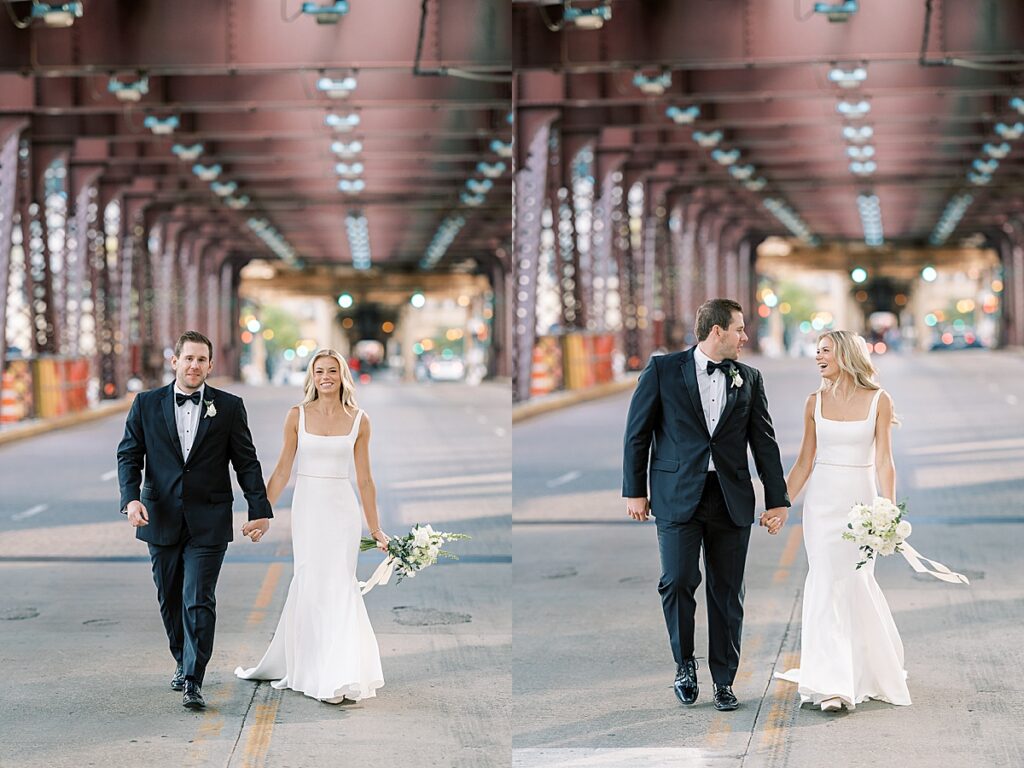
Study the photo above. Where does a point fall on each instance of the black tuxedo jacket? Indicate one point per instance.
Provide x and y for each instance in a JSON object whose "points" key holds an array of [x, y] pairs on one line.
{"points": [[195, 495], [666, 424]]}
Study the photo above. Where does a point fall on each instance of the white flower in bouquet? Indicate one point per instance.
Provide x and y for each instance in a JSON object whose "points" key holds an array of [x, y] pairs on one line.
{"points": [[418, 549], [877, 529]]}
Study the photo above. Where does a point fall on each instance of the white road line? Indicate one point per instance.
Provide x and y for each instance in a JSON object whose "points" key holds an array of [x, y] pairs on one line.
{"points": [[30, 512], [441, 482], [568, 477], [108, 475]]}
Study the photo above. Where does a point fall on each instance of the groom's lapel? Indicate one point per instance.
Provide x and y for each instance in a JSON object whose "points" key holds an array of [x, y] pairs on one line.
{"points": [[168, 409], [690, 382], [209, 395], [731, 396]]}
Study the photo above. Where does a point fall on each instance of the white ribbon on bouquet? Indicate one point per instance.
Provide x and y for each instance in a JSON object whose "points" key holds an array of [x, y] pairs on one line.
{"points": [[914, 557], [380, 576]]}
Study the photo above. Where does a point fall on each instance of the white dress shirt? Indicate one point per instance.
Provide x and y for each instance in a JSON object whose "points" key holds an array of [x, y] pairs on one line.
{"points": [[186, 418], [712, 393]]}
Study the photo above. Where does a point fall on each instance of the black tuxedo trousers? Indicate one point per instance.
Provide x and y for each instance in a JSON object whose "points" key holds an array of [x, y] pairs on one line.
{"points": [[725, 556]]}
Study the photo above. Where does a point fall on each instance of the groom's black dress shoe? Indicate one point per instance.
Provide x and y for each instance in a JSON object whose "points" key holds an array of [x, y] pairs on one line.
{"points": [[725, 699], [178, 681], [686, 681], [193, 697]]}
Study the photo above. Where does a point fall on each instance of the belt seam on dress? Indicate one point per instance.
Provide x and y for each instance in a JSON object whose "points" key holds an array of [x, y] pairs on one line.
{"points": [[854, 466], [325, 477]]}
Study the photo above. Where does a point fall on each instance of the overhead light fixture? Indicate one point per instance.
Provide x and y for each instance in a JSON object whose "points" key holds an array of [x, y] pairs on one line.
{"points": [[358, 231], [1011, 132], [351, 170], [683, 116], [871, 219], [336, 89], [187, 153], [471, 200], [1017, 103], [985, 166], [161, 127], [237, 203], [501, 148], [847, 78], [853, 110], [587, 18], [950, 218], [342, 123], [653, 85], [224, 189], [351, 149], [442, 240], [708, 140], [865, 168], [207, 172], [490, 170], [351, 186], [741, 172], [790, 219], [329, 13], [756, 185], [978, 179], [273, 239], [131, 91], [57, 15], [725, 157], [858, 135], [998, 151], [837, 11], [860, 153], [479, 186], [929, 274]]}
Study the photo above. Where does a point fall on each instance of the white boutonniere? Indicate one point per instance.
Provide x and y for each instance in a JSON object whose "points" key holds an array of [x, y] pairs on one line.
{"points": [[737, 380], [211, 409]]}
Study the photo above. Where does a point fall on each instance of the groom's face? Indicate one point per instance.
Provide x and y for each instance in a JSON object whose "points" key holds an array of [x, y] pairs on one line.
{"points": [[731, 339], [193, 365]]}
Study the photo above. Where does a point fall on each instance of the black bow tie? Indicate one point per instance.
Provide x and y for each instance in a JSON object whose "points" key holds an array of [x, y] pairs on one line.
{"points": [[180, 398], [723, 366]]}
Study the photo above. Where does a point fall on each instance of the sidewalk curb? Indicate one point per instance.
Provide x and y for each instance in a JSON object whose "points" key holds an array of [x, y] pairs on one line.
{"points": [[42, 426], [561, 400]]}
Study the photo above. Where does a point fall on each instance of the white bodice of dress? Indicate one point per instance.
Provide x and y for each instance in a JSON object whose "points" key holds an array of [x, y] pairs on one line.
{"points": [[325, 455], [845, 443]]}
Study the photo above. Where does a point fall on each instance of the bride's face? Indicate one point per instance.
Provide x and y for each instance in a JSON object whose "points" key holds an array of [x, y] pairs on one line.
{"points": [[327, 376], [826, 359]]}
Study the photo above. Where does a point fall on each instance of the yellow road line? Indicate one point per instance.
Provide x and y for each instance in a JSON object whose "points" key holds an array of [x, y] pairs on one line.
{"points": [[781, 706], [258, 741], [789, 553], [265, 595]]}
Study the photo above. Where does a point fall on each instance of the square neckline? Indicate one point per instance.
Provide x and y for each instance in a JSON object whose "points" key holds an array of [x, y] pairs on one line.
{"points": [[871, 410], [351, 430]]}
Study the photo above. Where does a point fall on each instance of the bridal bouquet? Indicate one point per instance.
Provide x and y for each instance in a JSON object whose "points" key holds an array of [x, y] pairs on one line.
{"points": [[418, 549], [878, 529]]}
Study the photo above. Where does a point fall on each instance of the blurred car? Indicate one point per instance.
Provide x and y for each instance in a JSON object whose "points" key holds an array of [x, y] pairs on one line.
{"points": [[952, 339], [446, 370]]}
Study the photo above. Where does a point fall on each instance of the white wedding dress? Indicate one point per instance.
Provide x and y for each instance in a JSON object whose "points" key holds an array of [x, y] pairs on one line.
{"points": [[850, 648], [324, 645]]}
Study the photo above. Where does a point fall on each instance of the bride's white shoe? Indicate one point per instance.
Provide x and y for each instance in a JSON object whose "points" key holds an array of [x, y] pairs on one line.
{"points": [[832, 705]]}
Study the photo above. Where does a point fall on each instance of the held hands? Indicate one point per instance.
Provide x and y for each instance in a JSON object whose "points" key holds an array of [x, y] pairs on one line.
{"points": [[638, 508], [137, 514], [255, 529], [382, 539], [774, 519]]}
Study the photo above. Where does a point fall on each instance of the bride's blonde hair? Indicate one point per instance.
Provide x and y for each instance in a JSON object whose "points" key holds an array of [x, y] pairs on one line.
{"points": [[347, 395], [851, 355]]}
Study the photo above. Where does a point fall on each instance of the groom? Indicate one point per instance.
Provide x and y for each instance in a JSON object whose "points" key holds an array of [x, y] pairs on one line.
{"points": [[184, 435], [694, 413]]}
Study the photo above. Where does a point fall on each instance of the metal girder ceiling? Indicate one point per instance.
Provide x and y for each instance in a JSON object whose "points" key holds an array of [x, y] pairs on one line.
{"points": [[242, 79], [759, 72]]}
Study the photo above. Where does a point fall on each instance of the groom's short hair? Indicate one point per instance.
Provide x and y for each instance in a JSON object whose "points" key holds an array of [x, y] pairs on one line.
{"points": [[714, 312], [195, 337]]}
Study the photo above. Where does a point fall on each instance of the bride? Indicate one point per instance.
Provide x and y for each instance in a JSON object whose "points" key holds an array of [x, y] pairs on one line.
{"points": [[850, 648], [324, 645]]}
